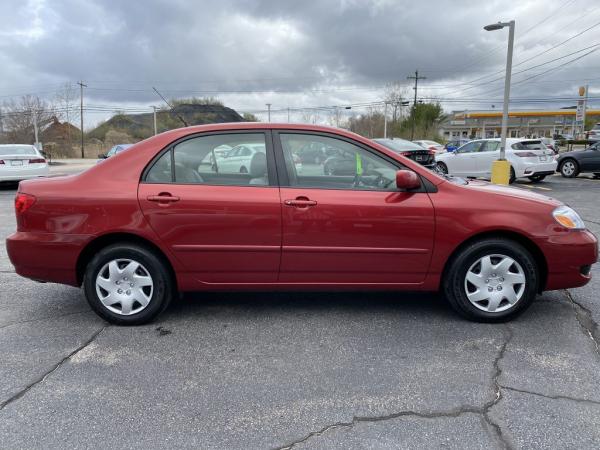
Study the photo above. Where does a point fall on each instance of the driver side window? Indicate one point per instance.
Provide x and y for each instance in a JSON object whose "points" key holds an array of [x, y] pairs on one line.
{"points": [[329, 163]]}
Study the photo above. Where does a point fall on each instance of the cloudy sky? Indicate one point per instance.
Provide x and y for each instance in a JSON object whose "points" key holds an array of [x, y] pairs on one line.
{"points": [[297, 54]]}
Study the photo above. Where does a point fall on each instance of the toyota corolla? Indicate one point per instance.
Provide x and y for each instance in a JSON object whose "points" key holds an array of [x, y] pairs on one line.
{"points": [[163, 218]]}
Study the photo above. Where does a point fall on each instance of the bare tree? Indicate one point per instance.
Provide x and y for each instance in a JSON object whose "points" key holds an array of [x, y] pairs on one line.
{"points": [[20, 116], [66, 102], [311, 116], [395, 94]]}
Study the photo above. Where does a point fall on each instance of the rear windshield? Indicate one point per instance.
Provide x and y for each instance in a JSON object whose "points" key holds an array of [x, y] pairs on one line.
{"points": [[398, 145], [529, 145], [17, 150]]}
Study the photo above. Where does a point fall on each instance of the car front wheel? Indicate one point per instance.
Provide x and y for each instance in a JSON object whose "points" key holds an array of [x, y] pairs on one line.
{"points": [[569, 168], [491, 280], [127, 284]]}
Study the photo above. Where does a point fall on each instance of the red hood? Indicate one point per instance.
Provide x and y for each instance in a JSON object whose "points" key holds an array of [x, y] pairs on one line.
{"points": [[507, 191]]}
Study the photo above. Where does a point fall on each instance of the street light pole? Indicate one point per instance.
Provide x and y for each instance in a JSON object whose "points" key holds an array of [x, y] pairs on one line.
{"points": [[501, 167], [268, 112]]}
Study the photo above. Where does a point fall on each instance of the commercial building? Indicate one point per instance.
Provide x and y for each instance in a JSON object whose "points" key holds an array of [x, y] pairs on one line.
{"points": [[488, 124]]}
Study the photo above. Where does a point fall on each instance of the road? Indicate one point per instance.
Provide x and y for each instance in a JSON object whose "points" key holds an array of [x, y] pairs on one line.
{"points": [[300, 370]]}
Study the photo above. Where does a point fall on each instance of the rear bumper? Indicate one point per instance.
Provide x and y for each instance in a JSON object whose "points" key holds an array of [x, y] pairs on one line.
{"points": [[25, 173], [569, 255], [46, 256], [528, 170]]}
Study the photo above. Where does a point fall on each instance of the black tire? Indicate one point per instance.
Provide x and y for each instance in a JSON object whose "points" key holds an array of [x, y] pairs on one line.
{"points": [[243, 169], [596, 174], [441, 168], [454, 284], [565, 165], [513, 176], [537, 178], [328, 169], [162, 291]]}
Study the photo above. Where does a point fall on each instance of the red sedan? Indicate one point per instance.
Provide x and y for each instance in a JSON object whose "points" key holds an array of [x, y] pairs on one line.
{"points": [[175, 213]]}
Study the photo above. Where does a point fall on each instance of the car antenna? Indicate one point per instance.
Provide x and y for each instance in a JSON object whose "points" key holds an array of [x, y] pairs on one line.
{"points": [[170, 106]]}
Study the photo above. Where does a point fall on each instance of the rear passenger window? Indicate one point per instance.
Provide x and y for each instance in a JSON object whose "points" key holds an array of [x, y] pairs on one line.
{"points": [[237, 159]]}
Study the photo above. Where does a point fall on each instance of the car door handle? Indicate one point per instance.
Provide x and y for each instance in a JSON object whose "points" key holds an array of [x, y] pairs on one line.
{"points": [[300, 202], [163, 198]]}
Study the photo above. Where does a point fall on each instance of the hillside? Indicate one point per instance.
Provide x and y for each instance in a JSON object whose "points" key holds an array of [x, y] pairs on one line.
{"points": [[141, 126]]}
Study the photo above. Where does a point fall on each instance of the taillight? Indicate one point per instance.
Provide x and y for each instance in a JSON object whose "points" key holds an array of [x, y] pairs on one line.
{"points": [[526, 154], [406, 153], [431, 151], [37, 161], [23, 202]]}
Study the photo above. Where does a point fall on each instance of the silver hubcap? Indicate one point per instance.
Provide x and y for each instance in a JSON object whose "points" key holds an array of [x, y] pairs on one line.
{"points": [[124, 286], [440, 169], [495, 283], [568, 168]]}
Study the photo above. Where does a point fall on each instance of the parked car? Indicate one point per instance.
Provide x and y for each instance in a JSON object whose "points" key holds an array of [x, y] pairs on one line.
{"points": [[528, 158], [571, 164], [238, 159], [417, 153], [113, 151], [21, 162], [136, 229], [431, 145], [594, 134], [453, 144]]}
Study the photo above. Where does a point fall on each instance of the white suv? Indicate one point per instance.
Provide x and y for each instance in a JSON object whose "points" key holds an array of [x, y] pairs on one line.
{"points": [[528, 158]]}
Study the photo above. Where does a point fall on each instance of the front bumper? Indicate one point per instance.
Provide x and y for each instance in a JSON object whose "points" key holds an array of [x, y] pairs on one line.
{"points": [[569, 255], [48, 257]]}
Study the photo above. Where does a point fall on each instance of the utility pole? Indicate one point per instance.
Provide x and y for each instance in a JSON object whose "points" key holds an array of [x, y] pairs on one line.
{"points": [[154, 113], [288, 114], [385, 120], [35, 129], [268, 112], [81, 86], [414, 121]]}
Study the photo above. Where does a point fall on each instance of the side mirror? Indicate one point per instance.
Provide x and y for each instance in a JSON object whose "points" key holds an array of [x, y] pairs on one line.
{"points": [[407, 180]]}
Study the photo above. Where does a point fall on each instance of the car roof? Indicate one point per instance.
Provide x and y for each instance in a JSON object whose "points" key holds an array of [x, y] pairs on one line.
{"points": [[17, 145]]}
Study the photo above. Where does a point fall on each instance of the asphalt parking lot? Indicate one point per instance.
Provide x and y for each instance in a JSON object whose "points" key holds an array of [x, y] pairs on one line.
{"points": [[300, 370]]}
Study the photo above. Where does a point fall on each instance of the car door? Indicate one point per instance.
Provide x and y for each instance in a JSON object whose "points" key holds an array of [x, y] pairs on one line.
{"points": [[351, 228], [224, 226], [488, 152], [464, 161], [589, 159]]}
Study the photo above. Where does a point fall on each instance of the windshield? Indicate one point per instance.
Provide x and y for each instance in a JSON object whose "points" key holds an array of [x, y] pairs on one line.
{"points": [[398, 145], [17, 150]]}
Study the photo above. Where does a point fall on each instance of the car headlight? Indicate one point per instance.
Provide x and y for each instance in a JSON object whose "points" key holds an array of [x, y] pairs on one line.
{"points": [[568, 218]]}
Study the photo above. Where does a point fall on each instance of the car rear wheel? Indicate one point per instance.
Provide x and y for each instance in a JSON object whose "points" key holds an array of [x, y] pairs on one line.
{"points": [[537, 178], [513, 176], [491, 280], [441, 168], [569, 168], [127, 284], [243, 169]]}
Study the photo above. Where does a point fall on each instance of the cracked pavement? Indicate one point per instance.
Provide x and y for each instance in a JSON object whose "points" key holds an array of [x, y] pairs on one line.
{"points": [[300, 370]]}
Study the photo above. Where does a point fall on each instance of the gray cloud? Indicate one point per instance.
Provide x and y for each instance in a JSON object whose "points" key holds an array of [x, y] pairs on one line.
{"points": [[121, 49]]}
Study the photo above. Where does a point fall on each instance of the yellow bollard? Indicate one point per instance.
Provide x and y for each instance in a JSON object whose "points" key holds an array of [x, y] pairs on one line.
{"points": [[501, 172]]}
